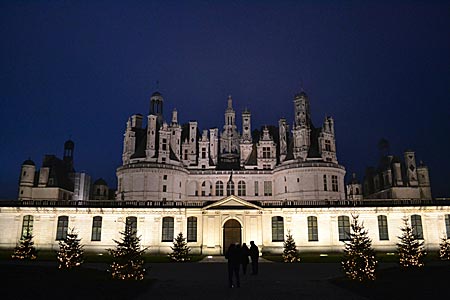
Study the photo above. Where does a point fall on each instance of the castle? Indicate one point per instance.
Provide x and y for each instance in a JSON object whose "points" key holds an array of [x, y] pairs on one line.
{"points": [[220, 187]]}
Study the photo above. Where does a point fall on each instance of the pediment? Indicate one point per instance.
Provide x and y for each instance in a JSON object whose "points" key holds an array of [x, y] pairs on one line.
{"points": [[232, 202]]}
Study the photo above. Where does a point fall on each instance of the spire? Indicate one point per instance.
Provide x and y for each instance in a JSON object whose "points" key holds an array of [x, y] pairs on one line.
{"points": [[230, 102]]}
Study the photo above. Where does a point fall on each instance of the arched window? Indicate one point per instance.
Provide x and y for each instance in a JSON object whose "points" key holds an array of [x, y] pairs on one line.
{"points": [[383, 228], [96, 228], [219, 188], [344, 228], [277, 229], [61, 229], [230, 188], [204, 188], [416, 224], [167, 229], [192, 229], [312, 229], [131, 224], [27, 225], [241, 188]]}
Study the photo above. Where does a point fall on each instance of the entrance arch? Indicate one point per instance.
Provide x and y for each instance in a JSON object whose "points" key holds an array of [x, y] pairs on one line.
{"points": [[232, 233]]}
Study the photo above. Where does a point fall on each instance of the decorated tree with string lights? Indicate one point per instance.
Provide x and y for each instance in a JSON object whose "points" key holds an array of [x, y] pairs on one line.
{"points": [[180, 249], [127, 258], [359, 261], [70, 254], [444, 249], [25, 250], [290, 253], [410, 249]]}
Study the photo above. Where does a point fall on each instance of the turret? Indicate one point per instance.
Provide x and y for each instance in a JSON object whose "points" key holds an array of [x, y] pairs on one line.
{"points": [[69, 147], [26, 182], [282, 127], [302, 129], [246, 145], [411, 171]]}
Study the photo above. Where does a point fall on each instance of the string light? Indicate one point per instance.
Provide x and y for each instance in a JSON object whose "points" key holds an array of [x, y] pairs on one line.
{"points": [[180, 249], [359, 261], [444, 249], [410, 250], [290, 253], [25, 250], [70, 254]]}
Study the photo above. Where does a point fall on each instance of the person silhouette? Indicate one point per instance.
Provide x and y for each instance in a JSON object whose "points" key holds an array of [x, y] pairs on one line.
{"points": [[233, 255], [254, 254], [245, 252]]}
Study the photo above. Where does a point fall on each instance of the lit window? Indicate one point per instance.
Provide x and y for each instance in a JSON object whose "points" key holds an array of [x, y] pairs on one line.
{"points": [[344, 228], [277, 229], [61, 230], [192, 229], [267, 188], [416, 224], [230, 188], [131, 224], [96, 228], [313, 235], [167, 229], [27, 225], [241, 188], [383, 228], [334, 183], [266, 152], [219, 188]]}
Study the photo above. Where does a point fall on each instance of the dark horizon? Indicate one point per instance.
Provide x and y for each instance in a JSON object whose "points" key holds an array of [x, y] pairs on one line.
{"points": [[79, 70]]}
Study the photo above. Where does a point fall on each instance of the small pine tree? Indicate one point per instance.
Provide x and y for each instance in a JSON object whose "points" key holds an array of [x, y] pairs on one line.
{"points": [[444, 249], [359, 261], [180, 249], [410, 250], [128, 260], [70, 254], [290, 253], [25, 250]]}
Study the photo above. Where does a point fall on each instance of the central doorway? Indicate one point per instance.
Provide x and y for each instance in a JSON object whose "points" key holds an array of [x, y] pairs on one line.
{"points": [[231, 233]]}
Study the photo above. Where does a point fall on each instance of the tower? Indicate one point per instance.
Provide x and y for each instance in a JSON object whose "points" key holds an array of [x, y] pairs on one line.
{"points": [[302, 126], [26, 182], [175, 138], [411, 171], [69, 147], [282, 127], [229, 140], [156, 105], [246, 144]]}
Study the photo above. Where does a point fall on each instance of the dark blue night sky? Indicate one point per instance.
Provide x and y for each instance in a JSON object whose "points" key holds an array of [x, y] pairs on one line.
{"points": [[79, 69]]}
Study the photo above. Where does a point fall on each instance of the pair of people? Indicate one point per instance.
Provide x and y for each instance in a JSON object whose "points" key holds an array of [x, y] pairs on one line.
{"points": [[238, 255]]}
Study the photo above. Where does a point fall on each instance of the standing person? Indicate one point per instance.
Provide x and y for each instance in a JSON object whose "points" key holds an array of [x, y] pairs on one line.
{"points": [[234, 257], [245, 252], [254, 254]]}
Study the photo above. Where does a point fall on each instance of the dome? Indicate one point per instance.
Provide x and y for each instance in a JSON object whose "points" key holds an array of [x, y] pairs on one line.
{"points": [[100, 181], [69, 144], [156, 94], [28, 162]]}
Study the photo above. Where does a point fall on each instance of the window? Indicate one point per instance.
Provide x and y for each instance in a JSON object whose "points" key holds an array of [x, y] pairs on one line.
{"points": [[447, 225], [131, 224], [96, 228], [416, 224], [61, 230], [267, 188], [241, 188], [230, 188], [383, 228], [266, 152], [334, 183], [325, 186], [219, 188], [327, 145], [192, 229], [266, 166], [185, 154], [277, 229], [344, 228], [313, 235], [167, 229], [203, 152], [27, 225], [164, 177], [164, 144], [256, 188]]}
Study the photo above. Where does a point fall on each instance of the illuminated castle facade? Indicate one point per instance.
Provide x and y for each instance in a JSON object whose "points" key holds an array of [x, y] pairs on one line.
{"points": [[233, 185]]}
